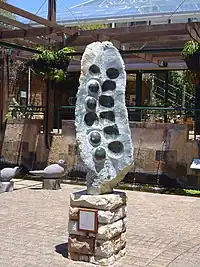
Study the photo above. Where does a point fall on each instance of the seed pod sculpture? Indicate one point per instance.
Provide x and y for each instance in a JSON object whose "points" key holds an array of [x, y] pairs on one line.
{"points": [[102, 127]]}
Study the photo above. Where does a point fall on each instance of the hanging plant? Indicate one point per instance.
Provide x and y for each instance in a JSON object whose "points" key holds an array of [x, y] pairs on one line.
{"points": [[51, 65], [191, 55]]}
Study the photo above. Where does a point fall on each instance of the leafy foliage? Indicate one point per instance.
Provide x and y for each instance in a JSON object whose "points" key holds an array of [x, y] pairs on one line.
{"points": [[190, 48], [94, 26], [50, 64]]}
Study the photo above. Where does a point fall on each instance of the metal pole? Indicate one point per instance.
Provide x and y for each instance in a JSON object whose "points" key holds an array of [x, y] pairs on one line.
{"points": [[197, 106], [52, 10], [138, 99], [29, 85], [166, 94], [183, 97]]}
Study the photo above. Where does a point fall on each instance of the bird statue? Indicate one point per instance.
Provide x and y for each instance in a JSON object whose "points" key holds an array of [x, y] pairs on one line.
{"points": [[23, 170], [56, 170], [7, 174]]}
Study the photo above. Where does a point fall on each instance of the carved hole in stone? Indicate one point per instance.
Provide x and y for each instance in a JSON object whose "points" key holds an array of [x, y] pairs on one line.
{"points": [[94, 69], [100, 154], [116, 147], [99, 165], [93, 86], [95, 138], [111, 130], [90, 118], [106, 101], [90, 102], [112, 73], [108, 85], [108, 115]]}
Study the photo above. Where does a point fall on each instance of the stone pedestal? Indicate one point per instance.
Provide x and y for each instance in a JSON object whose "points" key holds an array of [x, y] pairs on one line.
{"points": [[51, 184], [108, 244], [6, 186]]}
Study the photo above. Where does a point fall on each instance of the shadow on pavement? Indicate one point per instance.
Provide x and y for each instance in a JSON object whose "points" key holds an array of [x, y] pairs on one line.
{"points": [[62, 249]]}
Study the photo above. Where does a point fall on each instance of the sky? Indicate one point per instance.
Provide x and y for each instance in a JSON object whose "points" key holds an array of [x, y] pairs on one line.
{"points": [[34, 5]]}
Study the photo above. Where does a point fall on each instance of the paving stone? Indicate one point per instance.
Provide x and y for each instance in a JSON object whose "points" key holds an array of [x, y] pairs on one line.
{"points": [[159, 228]]}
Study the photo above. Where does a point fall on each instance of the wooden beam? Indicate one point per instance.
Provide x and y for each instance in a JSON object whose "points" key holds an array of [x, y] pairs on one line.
{"points": [[55, 37], [71, 39], [21, 42], [14, 23], [130, 38], [144, 56], [3, 87], [38, 41], [33, 32], [28, 42], [24, 26], [148, 58], [21, 58], [145, 29], [194, 31], [125, 46], [116, 43], [26, 14], [160, 39]]}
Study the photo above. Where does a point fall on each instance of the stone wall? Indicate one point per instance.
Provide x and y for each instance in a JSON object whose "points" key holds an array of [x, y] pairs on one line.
{"points": [[164, 148], [23, 143], [158, 148]]}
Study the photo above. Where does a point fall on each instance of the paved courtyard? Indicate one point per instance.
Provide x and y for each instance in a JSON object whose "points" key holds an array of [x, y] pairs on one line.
{"points": [[163, 230]]}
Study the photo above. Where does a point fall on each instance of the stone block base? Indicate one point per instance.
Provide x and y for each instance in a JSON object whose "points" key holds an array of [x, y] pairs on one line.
{"points": [[108, 244], [6, 186], [51, 184]]}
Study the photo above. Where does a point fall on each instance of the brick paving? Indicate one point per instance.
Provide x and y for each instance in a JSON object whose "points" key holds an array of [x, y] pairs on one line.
{"points": [[163, 230]]}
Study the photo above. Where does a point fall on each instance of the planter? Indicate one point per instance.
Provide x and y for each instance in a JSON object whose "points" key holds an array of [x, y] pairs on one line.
{"points": [[193, 62]]}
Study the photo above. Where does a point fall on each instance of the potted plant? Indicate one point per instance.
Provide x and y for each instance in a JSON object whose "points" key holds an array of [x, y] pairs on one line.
{"points": [[51, 65], [191, 55]]}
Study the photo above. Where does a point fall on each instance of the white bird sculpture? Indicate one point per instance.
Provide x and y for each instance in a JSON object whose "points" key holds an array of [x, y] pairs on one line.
{"points": [[7, 174], [56, 170]]}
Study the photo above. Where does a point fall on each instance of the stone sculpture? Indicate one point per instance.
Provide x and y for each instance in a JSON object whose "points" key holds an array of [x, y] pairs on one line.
{"points": [[56, 170], [6, 175], [102, 125], [51, 175]]}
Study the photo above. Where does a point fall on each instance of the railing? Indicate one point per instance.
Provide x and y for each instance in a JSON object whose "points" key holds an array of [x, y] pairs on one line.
{"points": [[25, 112], [144, 114], [172, 97]]}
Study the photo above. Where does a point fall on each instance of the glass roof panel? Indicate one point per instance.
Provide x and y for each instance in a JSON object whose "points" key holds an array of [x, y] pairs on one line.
{"points": [[99, 9]]}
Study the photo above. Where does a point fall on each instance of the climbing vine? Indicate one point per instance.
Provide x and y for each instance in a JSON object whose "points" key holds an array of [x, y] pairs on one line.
{"points": [[51, 65]]}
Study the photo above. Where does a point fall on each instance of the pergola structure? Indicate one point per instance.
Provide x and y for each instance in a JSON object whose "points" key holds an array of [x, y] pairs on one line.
{"points": [[148, 47], [143, 47]]}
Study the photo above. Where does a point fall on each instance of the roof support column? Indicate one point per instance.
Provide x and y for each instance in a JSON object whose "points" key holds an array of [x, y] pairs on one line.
{"points": [[138, 99], [49, 99], [166, 94], [197, 106]]}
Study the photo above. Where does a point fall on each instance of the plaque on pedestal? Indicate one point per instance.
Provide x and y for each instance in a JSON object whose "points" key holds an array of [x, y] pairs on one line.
{"points": [[88, 220], [195, 164]]}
